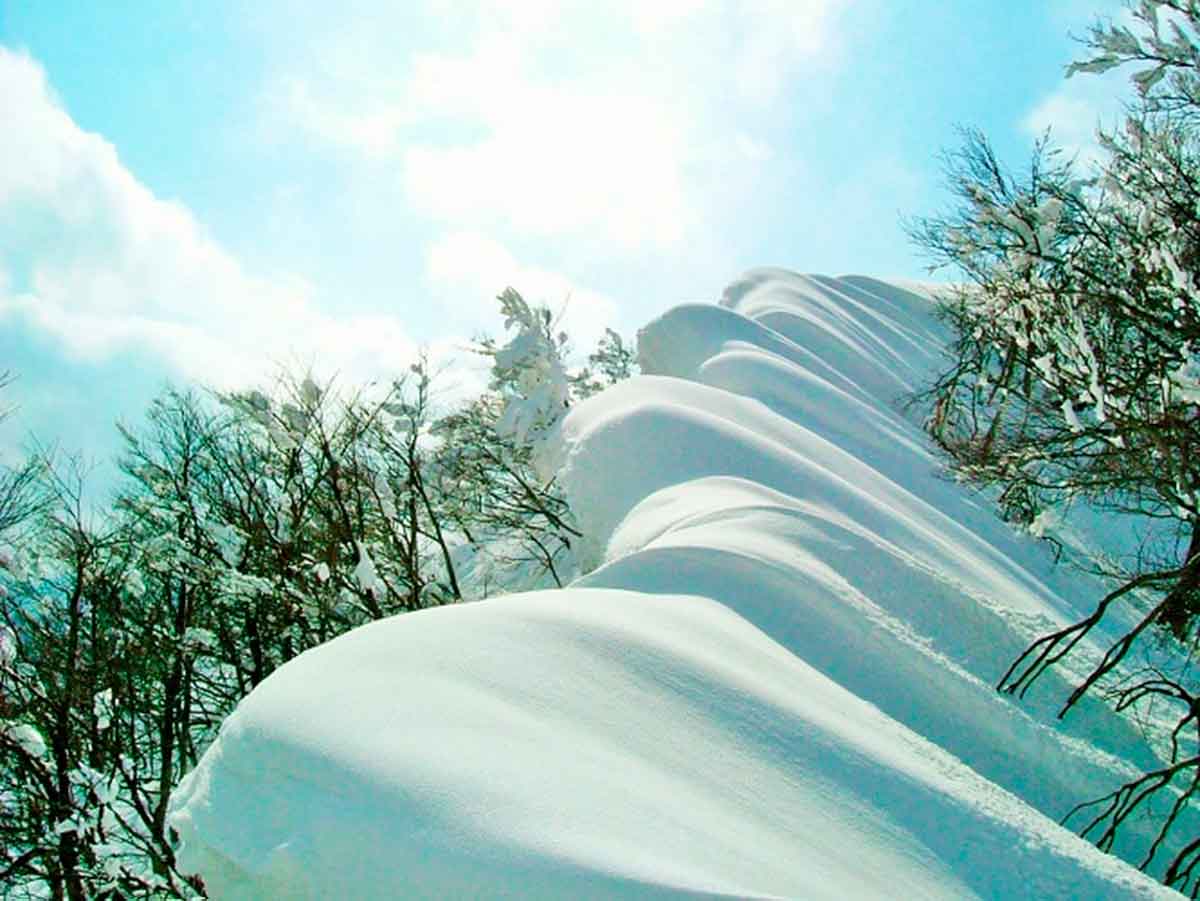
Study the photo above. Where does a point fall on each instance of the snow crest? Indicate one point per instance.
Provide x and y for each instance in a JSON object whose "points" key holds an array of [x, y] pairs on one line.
{"points": [[775, 681]]}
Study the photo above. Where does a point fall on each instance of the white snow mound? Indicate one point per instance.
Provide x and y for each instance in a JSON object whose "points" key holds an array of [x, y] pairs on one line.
{"points": [[777, 681]]}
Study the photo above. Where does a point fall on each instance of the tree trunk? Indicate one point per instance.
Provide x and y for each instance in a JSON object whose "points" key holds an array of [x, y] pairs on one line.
{"points": [[1182, 603]]}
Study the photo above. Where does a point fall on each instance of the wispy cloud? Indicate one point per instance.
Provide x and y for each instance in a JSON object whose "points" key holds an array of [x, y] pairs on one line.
{"points": [[604, 122], [1074, 111], [473, 268], [1078, 106], [90, 256]]}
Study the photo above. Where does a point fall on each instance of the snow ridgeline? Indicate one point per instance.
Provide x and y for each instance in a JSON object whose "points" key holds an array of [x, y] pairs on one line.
{"points": [[776, 681]]}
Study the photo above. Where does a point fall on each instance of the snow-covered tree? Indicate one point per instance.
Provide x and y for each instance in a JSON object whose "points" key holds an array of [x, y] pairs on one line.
{"points": [[85, 759], [299, 516], [1075, 371], [491, 464], [612, 361], [244, 534], [248, 528]]}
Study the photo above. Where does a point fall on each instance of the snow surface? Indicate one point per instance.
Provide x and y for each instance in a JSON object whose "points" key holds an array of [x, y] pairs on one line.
{"points": [[776, 681]]}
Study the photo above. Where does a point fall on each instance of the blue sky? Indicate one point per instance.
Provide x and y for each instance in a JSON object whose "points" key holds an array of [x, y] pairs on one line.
{"points": [[205, 191]]}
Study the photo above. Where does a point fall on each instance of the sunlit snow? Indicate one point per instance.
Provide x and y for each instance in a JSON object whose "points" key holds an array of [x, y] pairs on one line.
{"points": [[776, 680]]}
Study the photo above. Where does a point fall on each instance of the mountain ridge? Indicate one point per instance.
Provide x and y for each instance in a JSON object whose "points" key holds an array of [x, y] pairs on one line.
{"points": [[775, 680]]}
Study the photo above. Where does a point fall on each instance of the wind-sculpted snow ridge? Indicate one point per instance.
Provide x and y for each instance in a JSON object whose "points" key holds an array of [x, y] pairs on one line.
{"points": [[776, 681]]}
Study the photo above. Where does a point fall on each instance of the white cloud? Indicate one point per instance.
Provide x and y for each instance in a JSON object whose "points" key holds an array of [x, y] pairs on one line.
{"points": [[1073, 111], [1077, 106], [598, 121], [370, 129], [774, 36], [470, 269], [751, 149], [95, 259], [608, 166], [652, 18]]}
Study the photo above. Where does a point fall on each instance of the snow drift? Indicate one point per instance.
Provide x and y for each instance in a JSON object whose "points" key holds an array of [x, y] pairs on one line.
{"points": [[775, 681]]}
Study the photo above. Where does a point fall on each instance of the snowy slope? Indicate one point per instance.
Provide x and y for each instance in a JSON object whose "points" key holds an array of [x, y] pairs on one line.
{"points": [[776, 681]]}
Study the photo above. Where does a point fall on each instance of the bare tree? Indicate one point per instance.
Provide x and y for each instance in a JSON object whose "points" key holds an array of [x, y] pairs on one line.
{"points": [[1074, 373], [20, 497]]}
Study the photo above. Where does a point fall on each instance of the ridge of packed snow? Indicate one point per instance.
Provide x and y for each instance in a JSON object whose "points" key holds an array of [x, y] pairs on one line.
{"points": [[776, 681]]}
